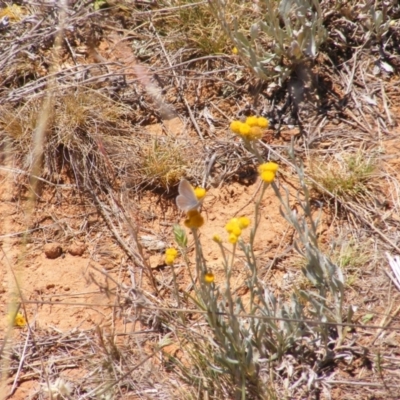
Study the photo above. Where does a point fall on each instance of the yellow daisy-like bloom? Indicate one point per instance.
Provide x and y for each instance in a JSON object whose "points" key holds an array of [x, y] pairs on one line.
{"points": [[217, 239], [233, 226], [170, 255], [234, 51], [262, 122], [200, 192], [19, 320], [235, 126], [269, 166], [268, 176], [244, 222], [209, 277], [233, 238], [252, 121], [194, 220]]}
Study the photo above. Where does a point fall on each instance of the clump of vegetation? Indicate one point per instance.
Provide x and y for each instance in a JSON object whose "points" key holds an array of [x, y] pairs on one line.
{"points": [[247, 341], [163, 162], [347, 177]]}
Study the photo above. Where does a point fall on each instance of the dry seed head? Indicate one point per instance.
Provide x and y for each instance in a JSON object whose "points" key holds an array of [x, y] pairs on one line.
{"points": [[194, 220]]}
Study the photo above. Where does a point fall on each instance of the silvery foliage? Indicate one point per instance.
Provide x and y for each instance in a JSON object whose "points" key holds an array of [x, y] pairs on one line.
{"points": [[292, 29]]}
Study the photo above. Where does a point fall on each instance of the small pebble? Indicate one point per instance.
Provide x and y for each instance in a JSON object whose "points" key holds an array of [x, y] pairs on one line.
{"points": [[52, 250], [76, 249]]}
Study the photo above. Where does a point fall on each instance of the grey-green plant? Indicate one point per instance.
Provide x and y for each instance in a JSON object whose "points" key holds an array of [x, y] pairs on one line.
{"points": [[248, 339], [288, 34]]}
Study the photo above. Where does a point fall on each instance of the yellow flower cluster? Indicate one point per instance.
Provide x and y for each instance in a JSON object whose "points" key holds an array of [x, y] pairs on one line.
{"points": [[194, 219], [252, 129], [268, 171], [235, 226], [170, 255]]}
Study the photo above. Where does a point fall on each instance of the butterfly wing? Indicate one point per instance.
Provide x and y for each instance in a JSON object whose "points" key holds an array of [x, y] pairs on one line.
{"points": [[187, 199]]}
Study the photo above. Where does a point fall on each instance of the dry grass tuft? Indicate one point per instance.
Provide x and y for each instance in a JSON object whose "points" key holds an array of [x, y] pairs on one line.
{"points": [[350, 177], [163, 162]]}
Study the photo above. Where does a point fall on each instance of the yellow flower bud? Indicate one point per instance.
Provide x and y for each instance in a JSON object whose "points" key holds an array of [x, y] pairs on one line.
{"points": [[19, 320], [243, 222], [268, 176], [217, 239], [200, 192], [169, 260], [209, 277], [269, 166], [171, 252], [244, 129], [235, 126], [255, 133], [233, 227], [170, 255], [234, 51], [232, 238], [252, 121], [262, 122]]}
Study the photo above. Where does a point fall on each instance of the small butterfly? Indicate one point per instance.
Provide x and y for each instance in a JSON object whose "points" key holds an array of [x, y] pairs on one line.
{"points": [[187, 199]]}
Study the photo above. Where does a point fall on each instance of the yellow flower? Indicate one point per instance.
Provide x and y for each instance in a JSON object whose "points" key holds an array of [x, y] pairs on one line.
{"points": [[169, 260], [233, 226], [217, 238], [262, 122], [267, 171], [200, 192], [269, 166], [233, 238], [170, 255], [244, 222], [171, 252], [209, 277], [244, 129], [268, 176], [19, 320], [255, 133], [252, 121], [235, 126], [234, 51], [194, 220]]}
